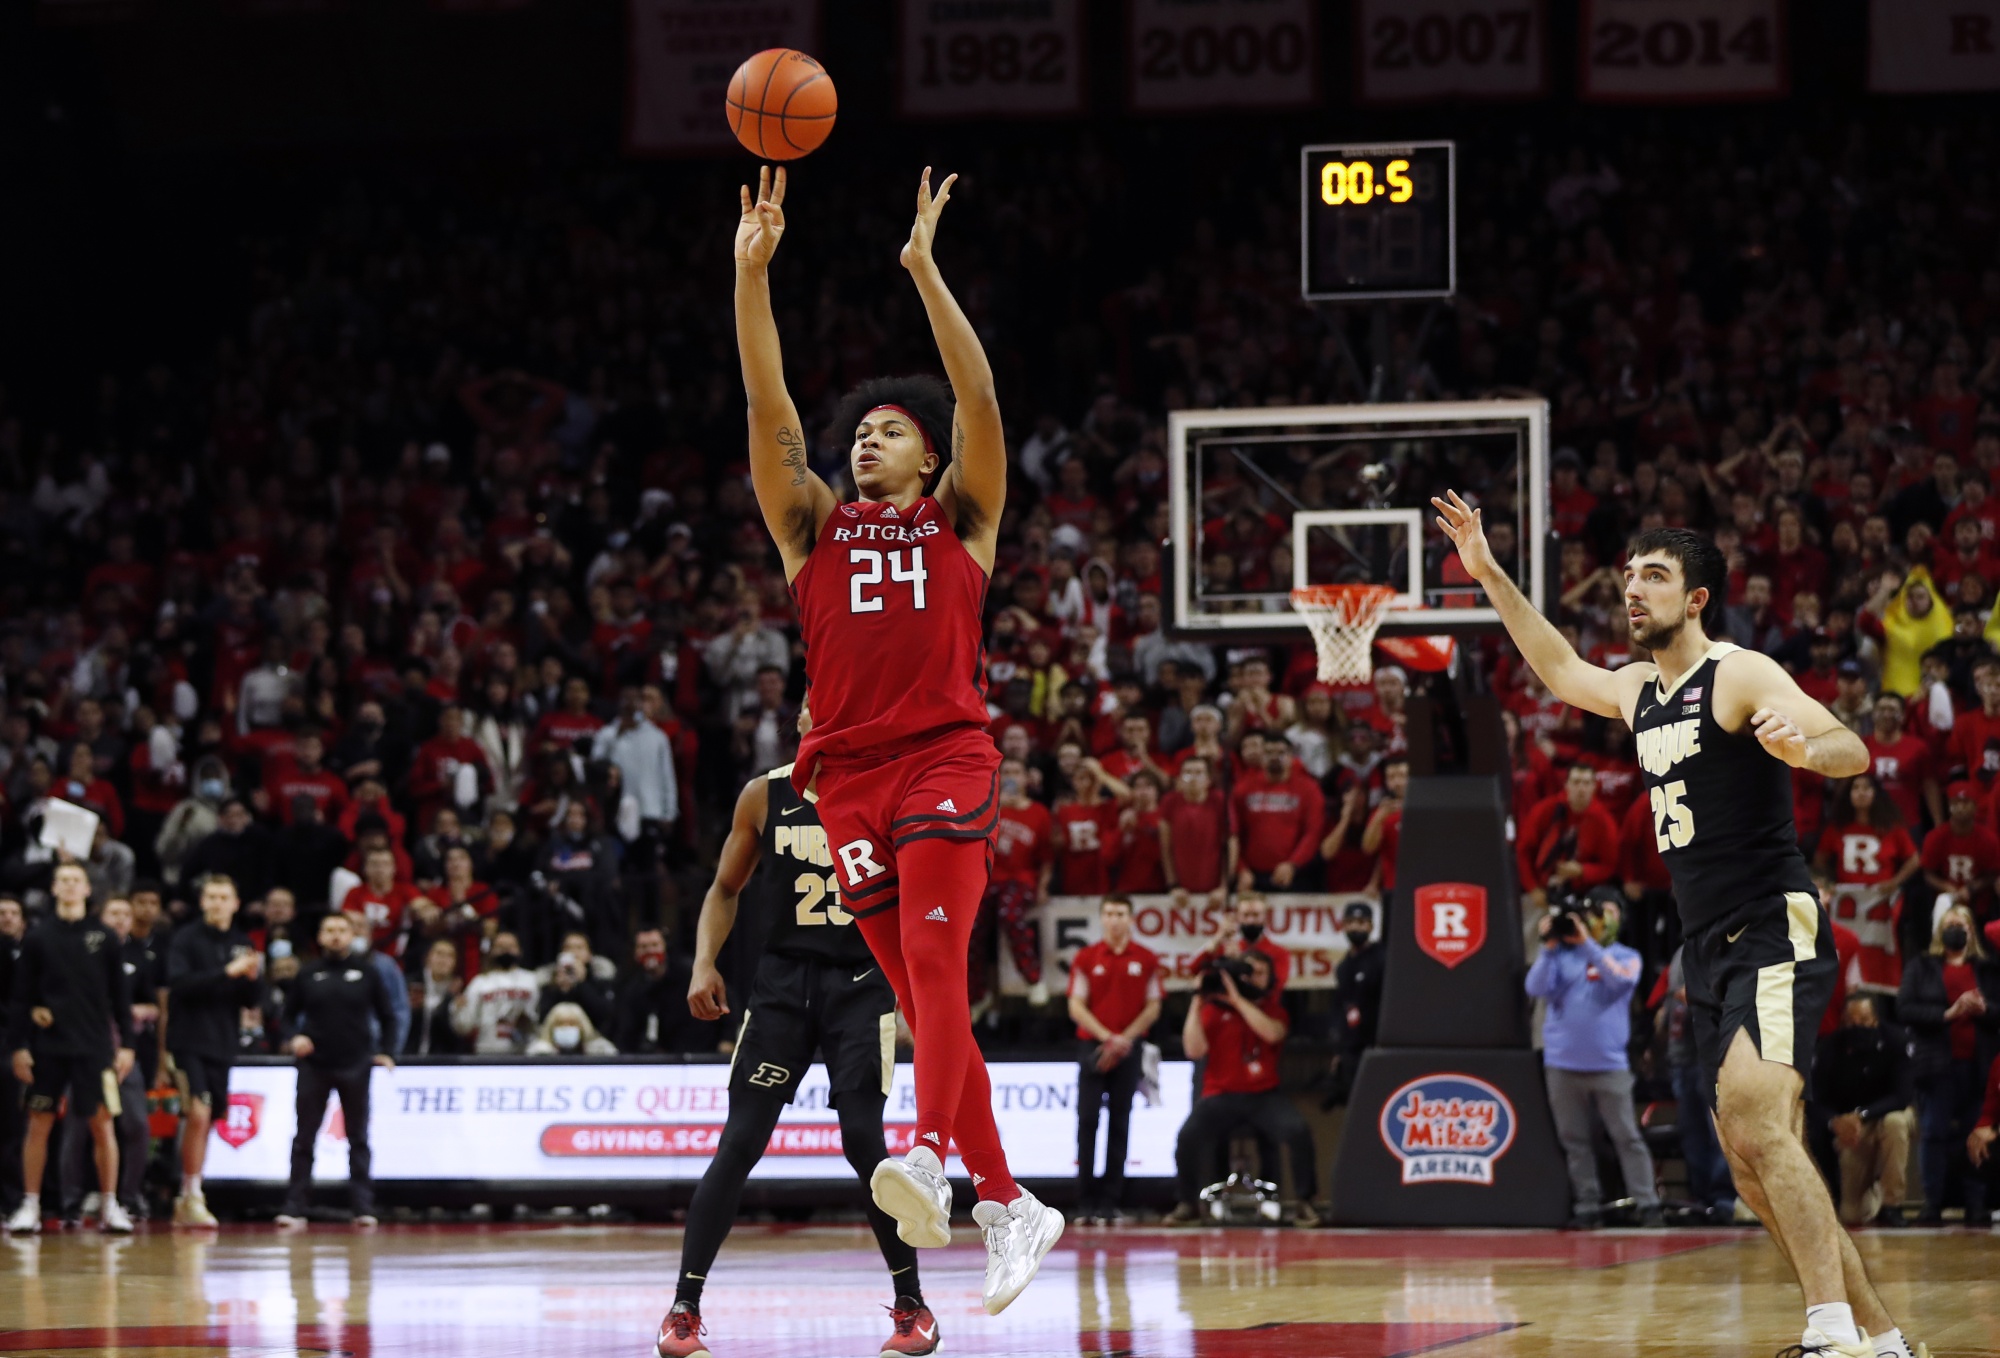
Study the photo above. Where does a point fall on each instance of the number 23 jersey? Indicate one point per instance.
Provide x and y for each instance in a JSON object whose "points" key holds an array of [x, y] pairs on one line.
{"points": [[795, 884], [890, 606], [1722, 805]]}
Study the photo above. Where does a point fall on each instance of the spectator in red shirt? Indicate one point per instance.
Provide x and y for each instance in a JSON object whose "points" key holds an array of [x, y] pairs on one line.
{"points": [[569, 724], [1979, 1144], [1139, 861], [1239, 1032], [1134, 754], [394, 909], [1902, 763], [1085, 821], [468, 910], [1867, 851], [1022, 863], [438, 773], [1195, 839], [302, 776], [1114, 998], [1278, 810], [1962, 857], [1570, 505], [1569, 845], [1384, 834], [84, 788], [1616, 766]]}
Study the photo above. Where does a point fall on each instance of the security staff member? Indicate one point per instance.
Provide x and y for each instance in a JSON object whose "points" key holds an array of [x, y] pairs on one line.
{"points": [[1357, 997], [70, 995], [328, 1009], [212, 976], [129, 1123]]}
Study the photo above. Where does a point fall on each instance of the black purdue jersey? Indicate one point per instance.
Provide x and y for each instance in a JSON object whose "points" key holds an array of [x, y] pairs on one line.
{"points": [[795, 886], [1722, 805]]}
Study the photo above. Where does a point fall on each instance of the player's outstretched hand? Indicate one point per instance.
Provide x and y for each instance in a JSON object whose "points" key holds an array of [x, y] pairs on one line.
{"points": [[763, 220], [1780, 735], [1461, 523], [929, 208]]}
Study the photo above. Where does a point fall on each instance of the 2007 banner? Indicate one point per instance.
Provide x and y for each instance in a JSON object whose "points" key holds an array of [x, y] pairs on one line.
{"points": [[542, 1120]]}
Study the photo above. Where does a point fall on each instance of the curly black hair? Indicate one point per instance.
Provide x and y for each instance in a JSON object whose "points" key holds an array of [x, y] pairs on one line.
{"points": [[927, 398]]}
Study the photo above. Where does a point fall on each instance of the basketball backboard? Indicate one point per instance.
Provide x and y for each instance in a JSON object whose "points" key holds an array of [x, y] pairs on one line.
{"points": [[1266, 499]]}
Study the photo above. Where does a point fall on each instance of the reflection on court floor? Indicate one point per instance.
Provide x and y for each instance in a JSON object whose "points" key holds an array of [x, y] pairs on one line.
{"points": [[503, 1292]]}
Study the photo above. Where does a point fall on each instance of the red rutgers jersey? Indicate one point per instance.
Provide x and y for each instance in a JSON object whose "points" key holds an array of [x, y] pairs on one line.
{"points": [[889, 606]]}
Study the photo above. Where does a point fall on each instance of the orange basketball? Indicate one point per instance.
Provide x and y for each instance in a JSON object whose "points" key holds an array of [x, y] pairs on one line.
{"points": [[781, 104]]}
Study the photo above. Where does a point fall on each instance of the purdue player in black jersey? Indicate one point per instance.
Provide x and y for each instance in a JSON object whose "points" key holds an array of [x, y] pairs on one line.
{"points": [[1719, 730], [817, 990]]}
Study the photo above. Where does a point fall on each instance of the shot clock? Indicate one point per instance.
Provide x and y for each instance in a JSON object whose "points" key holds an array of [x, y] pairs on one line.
{"points": [[1379, 221]]}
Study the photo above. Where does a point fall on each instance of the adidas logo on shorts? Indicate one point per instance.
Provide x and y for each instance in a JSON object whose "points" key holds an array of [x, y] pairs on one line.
{"points": [[948, 805], [937, 913]]}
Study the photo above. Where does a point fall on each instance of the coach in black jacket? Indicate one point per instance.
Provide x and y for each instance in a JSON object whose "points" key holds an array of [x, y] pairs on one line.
{"points": [[328, 1009], [212, 977], [69, 996]]}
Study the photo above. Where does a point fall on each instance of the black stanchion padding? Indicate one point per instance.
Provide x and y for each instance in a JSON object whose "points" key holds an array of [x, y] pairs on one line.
{"points": [[1455, 966], [1449, 1138], [1485, 737]]}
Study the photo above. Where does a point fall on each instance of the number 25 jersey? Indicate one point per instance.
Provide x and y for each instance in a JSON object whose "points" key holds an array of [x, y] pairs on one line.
{"points": [[890, 607], [1722, 804]]}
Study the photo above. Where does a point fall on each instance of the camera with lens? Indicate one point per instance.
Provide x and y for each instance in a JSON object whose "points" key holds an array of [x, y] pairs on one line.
{"points": [[1239, 967], [1567, 923]]}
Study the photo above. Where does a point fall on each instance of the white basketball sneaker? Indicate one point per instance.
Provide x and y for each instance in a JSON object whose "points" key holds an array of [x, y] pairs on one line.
{"points": [[112, 1218], [27, 1218], [915, 1192], [1018, 1234]]}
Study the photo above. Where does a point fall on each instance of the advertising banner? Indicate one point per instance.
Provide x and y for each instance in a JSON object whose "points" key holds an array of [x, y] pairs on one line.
{"points": [[1203, 54], [1306, 925], [1933, 46], [682, 53], [1410, 50], [1682, 51], [547, 1121], [974, 58]]}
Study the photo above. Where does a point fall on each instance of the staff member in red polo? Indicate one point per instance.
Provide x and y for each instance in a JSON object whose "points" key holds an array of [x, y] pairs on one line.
{"points": [[1279, 810], [1114, 997]]}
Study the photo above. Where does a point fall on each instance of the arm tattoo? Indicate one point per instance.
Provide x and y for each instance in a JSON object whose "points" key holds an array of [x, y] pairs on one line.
{"points": [[794, 444]]}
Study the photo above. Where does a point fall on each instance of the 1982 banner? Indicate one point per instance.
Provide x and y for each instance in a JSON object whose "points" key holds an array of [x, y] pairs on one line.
{"points": [[549, 1121], [965, 58]]}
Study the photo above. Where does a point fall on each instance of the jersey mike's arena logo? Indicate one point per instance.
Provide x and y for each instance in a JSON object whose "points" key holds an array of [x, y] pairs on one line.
{"points": [[1448, 1129], [1451, 920]]}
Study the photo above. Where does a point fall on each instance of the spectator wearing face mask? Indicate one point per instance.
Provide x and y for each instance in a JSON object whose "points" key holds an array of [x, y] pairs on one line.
{"points": [[1243, 930], [568, 1031], [651, 1013], [1357, 997], [497, 1007], [342, 1015], [193, 819], [386, 970], [1863, 1091], [1950, 1002]]}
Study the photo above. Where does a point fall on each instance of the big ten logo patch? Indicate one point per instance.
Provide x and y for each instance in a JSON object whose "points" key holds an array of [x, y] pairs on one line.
{"points": [[1450, 920], [239, 1123], [1447, 1129]]}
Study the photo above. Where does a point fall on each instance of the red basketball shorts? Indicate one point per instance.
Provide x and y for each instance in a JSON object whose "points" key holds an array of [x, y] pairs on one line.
{"points": [[949, 790]]}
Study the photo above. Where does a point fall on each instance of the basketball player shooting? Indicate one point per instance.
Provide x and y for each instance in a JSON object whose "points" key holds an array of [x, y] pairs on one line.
{"points": [[889, 588], [1719, 730]]}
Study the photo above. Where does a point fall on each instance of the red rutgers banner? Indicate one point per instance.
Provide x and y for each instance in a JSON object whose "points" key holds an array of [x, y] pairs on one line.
{"points": [[1451, 920]]}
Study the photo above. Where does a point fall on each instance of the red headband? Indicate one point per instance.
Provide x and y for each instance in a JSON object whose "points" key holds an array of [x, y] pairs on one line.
{"points": [[915, 424]]}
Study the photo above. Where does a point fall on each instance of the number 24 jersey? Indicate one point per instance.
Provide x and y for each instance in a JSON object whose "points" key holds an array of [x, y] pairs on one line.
{"points": [[1721, 803], [890, 606]]}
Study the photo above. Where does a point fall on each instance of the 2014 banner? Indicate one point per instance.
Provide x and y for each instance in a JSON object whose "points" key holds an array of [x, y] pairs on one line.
{"points": [[1682, 51], [1410, 50], [1306, 925], [1206, 54], [969, 58], [682, 53], [1933, 46], [550, 1121]]}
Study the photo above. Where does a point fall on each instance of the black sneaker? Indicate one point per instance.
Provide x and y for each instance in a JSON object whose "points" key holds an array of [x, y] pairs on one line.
{"points": [[1653, 1218], [1891, 1218]]}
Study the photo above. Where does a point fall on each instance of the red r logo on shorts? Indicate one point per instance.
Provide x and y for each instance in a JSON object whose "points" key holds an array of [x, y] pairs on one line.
{"points": [[857, 859]]}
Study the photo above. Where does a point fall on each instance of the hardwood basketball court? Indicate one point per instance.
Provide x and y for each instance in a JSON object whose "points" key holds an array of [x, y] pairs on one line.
{"points": [[814, 1292]]}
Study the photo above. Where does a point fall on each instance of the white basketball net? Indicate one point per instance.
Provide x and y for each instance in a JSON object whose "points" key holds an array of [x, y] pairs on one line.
{"points": [[1343, 619]]}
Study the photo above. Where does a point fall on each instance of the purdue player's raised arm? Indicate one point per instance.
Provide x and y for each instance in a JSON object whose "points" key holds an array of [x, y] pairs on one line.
{"points": [[1754, 692], [973, 489], [708, 997], [794, 500], [1569, 676]]}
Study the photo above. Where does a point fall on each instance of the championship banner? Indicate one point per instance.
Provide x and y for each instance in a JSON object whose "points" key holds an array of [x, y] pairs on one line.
{"points": [[1682, 51], [547, 1121], [682, 53], [1306, 925], [1410, 50], [1186, 55], [1933, 46], [1010, 58], [89, 11]]}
